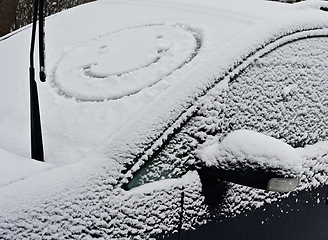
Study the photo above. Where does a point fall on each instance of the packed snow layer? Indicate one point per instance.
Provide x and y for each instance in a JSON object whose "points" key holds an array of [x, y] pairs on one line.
{"points": [[104, 211], [84, 199]]}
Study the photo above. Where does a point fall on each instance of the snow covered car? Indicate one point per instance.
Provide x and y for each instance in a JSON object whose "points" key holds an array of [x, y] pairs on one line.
{"points": [[170, 120]]}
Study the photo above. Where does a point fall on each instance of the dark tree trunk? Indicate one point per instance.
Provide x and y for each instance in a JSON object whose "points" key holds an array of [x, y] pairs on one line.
{"points": [[7, 15]]}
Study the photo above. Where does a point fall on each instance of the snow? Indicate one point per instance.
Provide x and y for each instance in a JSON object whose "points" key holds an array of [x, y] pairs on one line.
{"points": [[252, 149], [73, 129], [289, 90], [97, 120], [14, 167], [101, 70]]}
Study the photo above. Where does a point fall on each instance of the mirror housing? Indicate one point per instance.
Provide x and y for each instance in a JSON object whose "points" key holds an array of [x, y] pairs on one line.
{"points": [[266, 180], [252, 159]]}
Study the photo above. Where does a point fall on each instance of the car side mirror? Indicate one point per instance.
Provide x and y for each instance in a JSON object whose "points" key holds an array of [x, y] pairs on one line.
{"points": [[251, 159]]}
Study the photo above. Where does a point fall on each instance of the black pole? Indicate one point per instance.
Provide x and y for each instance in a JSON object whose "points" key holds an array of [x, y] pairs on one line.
{"points": [[36, 132]]}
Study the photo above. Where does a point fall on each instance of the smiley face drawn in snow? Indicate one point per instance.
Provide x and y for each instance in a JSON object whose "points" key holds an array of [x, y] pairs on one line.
{"points": [[123, 63]]}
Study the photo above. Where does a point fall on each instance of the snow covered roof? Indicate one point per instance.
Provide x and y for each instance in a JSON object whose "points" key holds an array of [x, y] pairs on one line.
{"points": [[97, 120]]}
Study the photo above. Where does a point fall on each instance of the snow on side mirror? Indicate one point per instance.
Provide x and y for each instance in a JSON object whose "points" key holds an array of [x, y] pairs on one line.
{"points": [[252, 159]]}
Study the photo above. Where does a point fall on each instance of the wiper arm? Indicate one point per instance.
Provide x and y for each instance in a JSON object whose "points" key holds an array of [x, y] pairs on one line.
{"points": [[36, 133]]}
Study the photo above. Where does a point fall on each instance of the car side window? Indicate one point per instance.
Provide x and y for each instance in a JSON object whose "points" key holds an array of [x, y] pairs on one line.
{"points": [[282, 94]]}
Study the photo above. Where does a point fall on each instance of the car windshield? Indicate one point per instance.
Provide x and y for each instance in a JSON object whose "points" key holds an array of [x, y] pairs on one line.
{"points": [[282, 94]]}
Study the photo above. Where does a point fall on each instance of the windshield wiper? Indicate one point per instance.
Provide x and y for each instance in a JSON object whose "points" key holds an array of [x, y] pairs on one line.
{"points": [[36, 133]]}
